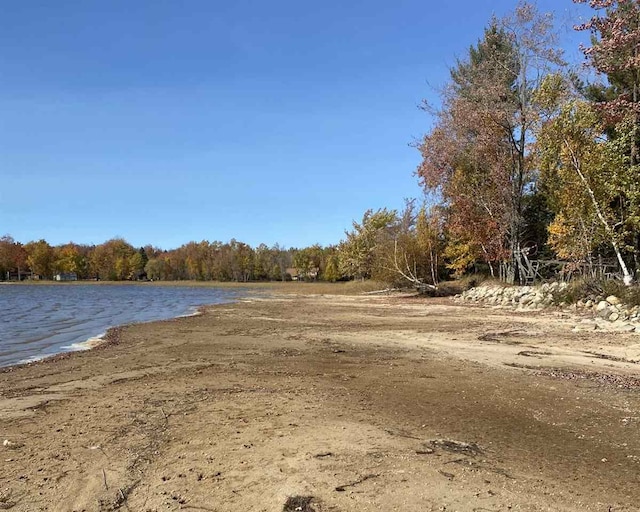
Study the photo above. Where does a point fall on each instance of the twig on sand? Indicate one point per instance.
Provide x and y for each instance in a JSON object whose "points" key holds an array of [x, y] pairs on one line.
{"points": [[166, 418], [342, 488], [400, 433], [122, 496], [378, 292], [104, 479]]}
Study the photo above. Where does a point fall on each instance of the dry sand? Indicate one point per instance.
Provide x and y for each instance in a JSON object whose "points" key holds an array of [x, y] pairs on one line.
{"points": [[329, 403]]}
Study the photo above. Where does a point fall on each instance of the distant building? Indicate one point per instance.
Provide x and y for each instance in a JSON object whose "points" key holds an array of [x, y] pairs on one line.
{"points": [[66, 276], [294, 274], [291, 274]]}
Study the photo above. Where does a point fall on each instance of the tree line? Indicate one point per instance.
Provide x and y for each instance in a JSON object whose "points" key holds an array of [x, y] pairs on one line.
{"points": [[118, 260], [365, 253], [528, 157]]}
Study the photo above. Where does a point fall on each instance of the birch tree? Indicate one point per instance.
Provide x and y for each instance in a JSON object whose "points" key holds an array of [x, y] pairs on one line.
{"points": [[587, 170], [615, 55]]}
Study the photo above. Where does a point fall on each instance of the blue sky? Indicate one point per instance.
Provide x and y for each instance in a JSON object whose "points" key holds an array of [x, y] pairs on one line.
{"points": [[165, 122]]}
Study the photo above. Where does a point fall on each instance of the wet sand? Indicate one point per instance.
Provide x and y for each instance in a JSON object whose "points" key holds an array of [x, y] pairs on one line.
{"points": [[329, 403]]}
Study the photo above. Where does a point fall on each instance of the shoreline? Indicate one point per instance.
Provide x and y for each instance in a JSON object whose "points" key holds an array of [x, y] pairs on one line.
{"points": [[354, 402], [94, 340]]}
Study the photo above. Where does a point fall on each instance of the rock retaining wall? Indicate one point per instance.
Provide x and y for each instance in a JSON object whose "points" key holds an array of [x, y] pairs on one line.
{"points": [[603, 312]]}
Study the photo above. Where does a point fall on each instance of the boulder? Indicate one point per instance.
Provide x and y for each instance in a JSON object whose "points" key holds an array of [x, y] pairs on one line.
{"points": [[624, 327], [526, 299]]}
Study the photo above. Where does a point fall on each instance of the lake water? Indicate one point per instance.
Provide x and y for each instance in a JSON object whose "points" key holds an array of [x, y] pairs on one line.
{"points": [[43, 320]]}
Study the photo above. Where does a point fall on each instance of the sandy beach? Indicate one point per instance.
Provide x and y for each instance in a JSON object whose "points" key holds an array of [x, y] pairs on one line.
{"points": [[329, 403]]}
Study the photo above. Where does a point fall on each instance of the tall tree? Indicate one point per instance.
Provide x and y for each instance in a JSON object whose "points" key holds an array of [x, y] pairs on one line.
{"points": [[13, 257], [358, 251], [478, 154], [587, 171], [71, 257], [307, 262], [40, 258], [615, 53], [112, 260]]}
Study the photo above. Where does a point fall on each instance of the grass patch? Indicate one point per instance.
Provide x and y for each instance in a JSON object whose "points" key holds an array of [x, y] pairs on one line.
{"points": [[592, 289], [579, 289]]}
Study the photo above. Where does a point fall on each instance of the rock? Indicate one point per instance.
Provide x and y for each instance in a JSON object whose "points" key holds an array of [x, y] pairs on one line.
{"points": [[526, 299], [613, 300], [537, 298], [602, 305], [11, 445], [632, 352], [613, 317], [624, 327], [585, 326]]}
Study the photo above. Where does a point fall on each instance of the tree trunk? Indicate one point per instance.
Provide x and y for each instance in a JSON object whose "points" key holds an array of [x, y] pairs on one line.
{"points": [[626, 275]]}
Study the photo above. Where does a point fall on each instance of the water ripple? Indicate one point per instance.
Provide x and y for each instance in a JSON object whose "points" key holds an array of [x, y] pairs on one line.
{"points": [[39, 321]]}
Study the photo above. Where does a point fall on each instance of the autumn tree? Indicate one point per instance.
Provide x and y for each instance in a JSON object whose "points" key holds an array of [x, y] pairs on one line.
{"points": [[137, 262], [358, 251], [308, 261], [615, 54], [13, 257], [587, 171], [331, 272], [270, 263], [112, 260], [409, 251], [71, 257], [40, 258], [156, 269], [478, 154]]}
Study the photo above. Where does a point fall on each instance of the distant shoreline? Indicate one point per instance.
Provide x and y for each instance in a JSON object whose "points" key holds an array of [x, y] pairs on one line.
{"points": [[304, 287]]}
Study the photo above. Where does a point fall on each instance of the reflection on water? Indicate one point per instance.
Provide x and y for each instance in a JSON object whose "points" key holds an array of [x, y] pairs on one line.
{"points": [[39, 321]]}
